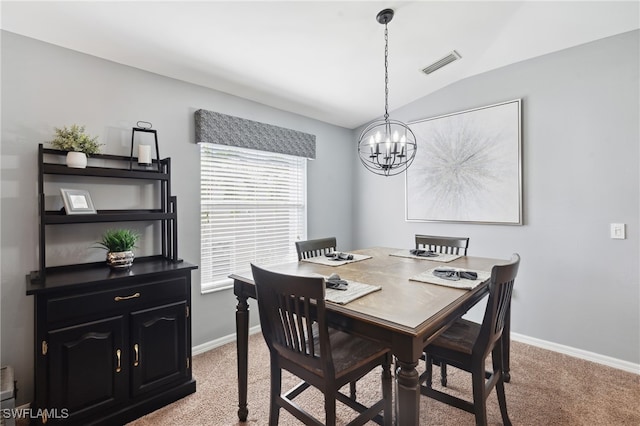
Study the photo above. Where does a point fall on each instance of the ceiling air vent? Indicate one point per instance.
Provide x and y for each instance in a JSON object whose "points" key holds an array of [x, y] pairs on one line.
{"points": [[453, 56]]}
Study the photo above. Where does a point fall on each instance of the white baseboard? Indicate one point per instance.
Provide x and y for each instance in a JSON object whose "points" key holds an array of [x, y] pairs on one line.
{"points": [[578, 353], [556, 347], [212, 344]]}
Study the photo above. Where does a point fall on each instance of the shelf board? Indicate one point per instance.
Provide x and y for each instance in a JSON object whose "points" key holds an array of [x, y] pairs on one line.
{"points": [[59, 217], [52, 151], [61, 169]]}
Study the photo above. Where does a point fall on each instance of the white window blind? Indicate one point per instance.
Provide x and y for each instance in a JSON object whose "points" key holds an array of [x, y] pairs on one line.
{"points": [[253, 209]]}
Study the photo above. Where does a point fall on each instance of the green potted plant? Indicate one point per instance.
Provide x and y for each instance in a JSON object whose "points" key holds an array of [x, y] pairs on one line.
{"points": [[77, 143], [119, 244]]}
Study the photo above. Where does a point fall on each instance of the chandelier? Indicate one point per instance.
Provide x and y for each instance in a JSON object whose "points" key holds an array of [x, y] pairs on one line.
{"points": [[387, 147]]}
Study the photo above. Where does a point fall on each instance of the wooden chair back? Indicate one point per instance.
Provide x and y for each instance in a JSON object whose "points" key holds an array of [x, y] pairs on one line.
{"points": [[450, 245], [500, 291], [317, 247], [292, 317]]}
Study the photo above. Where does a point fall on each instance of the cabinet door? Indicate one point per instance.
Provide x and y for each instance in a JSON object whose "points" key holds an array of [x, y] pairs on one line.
{"points": [[158, 347], [87, 366]]}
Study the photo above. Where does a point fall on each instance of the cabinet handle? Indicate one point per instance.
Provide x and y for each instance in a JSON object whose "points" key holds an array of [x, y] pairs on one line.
{"points": [[135, 349], [133, 296], [118, 367]]}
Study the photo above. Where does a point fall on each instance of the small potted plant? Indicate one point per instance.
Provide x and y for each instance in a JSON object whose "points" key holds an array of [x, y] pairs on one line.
{"points": [[77, 143], [119, 244]]}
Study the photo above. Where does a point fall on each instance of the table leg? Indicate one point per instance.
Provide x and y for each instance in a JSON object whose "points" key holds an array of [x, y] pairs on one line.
{"points": [[242, 348], [506, 344], [407, 394]]}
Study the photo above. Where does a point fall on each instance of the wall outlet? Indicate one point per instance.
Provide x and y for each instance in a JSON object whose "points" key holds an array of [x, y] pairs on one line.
{"points": [[618, 231]]}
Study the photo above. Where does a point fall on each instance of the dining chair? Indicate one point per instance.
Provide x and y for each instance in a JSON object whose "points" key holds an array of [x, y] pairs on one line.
{"points": [[317, 247], [320, 247], [451, 245], [293, 320], [442, 244], [466, 345]]}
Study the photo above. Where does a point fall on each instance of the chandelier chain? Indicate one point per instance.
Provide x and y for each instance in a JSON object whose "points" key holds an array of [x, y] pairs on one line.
{"points": [[386, 73]]}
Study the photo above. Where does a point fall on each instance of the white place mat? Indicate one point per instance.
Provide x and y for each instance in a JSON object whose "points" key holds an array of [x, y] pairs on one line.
{"points": [[441, 257], [463, 283], [324, 260], [354, 291]]}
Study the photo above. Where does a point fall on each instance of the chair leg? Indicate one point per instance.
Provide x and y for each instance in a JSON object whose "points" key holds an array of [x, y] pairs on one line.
{"points": [[387, 390], [443, 373], [330, 408], [479, 400], [502, 399], [276, 389], [429, 370], [352, 390]]}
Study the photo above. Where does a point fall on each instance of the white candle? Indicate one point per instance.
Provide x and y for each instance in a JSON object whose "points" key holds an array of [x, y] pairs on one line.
{"points": [[144, 154]]}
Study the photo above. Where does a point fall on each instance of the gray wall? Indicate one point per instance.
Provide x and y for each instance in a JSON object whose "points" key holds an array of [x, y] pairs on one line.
{"points": [[576, 286], [44, 86]]}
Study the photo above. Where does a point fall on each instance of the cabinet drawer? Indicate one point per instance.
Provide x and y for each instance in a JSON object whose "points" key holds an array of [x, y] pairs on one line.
{"points": [[124, 298]]}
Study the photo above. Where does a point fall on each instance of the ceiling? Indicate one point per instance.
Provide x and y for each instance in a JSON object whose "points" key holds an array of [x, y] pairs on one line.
{"points": [[323, 60]]}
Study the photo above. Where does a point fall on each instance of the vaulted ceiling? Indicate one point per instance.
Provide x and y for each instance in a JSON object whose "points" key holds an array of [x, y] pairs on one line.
{"points": [[324, 60]]}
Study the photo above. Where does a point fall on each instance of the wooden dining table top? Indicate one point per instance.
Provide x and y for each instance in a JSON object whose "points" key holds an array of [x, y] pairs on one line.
{"points": [[402, 304]]}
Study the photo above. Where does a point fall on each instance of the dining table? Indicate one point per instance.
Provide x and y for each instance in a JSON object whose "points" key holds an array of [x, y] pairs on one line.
{"points": [[402, 313]]}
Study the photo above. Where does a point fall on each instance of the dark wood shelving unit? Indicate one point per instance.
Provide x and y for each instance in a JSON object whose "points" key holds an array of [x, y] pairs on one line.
{"points": [[161, 173], [111, 345]]}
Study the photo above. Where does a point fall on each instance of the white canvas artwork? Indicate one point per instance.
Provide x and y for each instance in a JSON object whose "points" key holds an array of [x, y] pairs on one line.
{"points": [[467, 167]]}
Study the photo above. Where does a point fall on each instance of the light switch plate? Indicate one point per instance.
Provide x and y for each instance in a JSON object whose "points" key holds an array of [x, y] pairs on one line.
{"points": [[618, 231]]}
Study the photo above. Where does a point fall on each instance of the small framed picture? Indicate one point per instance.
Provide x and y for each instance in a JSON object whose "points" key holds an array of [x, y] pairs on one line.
{"points": [[77, 201]]}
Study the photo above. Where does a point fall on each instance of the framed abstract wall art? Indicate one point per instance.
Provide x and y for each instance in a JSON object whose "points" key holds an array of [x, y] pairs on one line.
{"points": [[468, 167]]}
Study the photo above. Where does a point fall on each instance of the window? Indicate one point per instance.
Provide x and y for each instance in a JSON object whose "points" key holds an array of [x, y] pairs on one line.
{"points": [[253, 209]]}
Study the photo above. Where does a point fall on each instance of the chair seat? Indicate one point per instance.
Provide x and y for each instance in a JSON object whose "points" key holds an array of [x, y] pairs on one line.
{"points": [[460, 337], [349, 352]]}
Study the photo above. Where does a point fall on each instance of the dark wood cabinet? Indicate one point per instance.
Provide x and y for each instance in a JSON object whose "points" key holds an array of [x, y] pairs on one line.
{"points": [[159, 347], [111, 346], [85, 366]]}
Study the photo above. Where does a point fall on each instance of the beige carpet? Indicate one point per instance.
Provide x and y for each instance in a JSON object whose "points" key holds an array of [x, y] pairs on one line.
{"points": [[546, 388]]}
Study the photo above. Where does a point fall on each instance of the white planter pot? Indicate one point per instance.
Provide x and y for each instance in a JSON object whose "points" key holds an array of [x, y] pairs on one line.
{"points": [[77, 160]]}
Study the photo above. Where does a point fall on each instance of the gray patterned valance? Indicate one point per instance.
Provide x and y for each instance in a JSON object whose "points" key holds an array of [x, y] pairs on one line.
{"points": [[213, 127]]}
